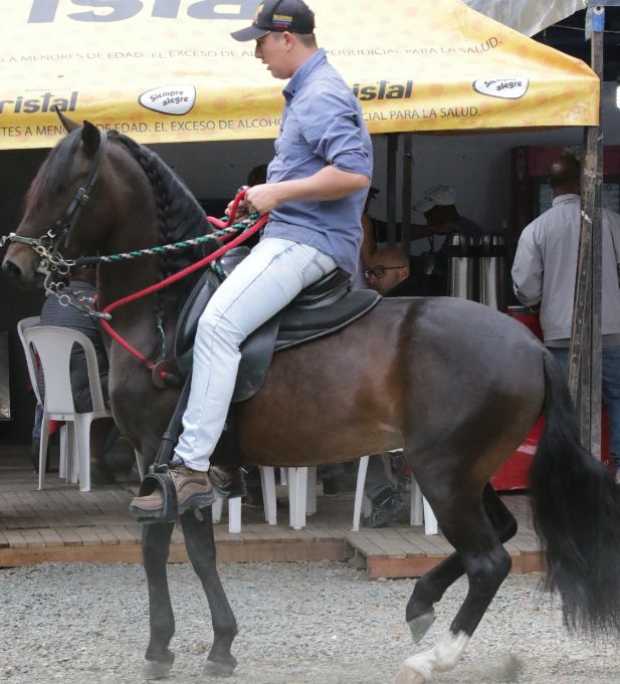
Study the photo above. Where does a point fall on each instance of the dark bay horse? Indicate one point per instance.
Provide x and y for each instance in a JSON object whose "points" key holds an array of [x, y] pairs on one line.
{"points": [[456, 384]]}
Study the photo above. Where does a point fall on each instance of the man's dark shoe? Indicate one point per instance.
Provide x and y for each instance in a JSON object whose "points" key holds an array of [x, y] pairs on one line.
{"points": [[193, 490], [254, 497], [228, 481]]}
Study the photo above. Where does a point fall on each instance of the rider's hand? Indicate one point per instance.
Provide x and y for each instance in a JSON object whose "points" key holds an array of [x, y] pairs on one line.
{"points": [[243, 209], [264, 197]]}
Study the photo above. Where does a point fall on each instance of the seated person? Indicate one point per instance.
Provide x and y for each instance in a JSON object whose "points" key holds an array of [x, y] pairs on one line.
{"points": [[383, 267], [388, 272], [81, 288]]}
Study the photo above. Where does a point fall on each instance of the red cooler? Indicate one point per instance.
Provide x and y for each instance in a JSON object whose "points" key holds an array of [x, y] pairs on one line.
{"points": [[513, 474]]}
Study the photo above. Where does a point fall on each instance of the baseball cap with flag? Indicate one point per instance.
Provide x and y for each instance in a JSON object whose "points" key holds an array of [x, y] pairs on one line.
{"points": [[278, 15]]}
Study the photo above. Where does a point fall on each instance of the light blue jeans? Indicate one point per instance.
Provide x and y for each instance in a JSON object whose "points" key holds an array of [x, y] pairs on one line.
{"points": [[611, 391], [268, 279]]}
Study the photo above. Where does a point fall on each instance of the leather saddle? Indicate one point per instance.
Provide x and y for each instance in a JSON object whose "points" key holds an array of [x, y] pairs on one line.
{"points": [[321, 309]]}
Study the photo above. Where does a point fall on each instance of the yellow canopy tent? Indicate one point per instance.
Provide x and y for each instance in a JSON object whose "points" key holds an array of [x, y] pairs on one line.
{"points": [[168, 71]]}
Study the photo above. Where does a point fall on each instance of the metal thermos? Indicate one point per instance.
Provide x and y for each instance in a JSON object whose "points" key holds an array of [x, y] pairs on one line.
{"points": [[491, 270], [460, 266]]}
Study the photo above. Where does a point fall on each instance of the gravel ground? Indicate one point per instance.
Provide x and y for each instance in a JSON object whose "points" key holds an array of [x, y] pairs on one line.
{"points": [[320, 623]]}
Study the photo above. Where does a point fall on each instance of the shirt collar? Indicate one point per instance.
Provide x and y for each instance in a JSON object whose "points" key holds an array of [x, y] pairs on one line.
{"points": [[564, 199], [300, 76]]}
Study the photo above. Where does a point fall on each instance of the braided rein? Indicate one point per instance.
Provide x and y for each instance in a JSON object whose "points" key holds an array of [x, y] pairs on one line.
{"points": [[53, 263]]}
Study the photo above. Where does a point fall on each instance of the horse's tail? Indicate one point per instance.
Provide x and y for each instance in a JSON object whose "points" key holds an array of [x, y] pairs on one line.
{"points": [[576, 506]]}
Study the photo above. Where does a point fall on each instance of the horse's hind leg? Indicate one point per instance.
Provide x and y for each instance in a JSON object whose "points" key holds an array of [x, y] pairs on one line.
{"points": [[467, 526], [200, 544], [155, 550], [431, 587]]}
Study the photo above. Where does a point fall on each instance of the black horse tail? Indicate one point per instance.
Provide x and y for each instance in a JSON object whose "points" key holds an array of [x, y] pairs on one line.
{"points": [[576, 507]]}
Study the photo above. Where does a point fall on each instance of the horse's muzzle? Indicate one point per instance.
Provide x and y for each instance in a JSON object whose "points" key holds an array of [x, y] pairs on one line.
{"points": [[20, 264], [10, 269]]}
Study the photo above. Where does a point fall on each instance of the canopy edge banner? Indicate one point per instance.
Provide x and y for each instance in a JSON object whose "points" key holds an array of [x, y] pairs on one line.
{"points": [[175, 75]]}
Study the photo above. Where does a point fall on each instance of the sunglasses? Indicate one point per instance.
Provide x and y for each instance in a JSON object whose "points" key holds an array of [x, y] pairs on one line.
{"points": [[379, 271]]}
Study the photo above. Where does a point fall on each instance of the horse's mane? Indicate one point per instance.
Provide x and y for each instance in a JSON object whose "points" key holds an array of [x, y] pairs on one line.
{"points": [[180, 215]]}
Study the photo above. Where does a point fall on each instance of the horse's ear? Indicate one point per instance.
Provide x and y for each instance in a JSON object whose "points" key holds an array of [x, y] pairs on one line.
{"points": [[91, 138], [69, 124]]}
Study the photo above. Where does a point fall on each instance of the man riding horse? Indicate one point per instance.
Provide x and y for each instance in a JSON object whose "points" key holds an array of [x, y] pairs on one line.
{"points": [[315, 192]]}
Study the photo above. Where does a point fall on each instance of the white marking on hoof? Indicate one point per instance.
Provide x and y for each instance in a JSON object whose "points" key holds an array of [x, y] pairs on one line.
{"points": [[406, 675], [443, 656], [420, 625]]}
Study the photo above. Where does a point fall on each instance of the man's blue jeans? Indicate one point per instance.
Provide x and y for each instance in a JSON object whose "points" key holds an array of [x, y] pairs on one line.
{"points": [[611, 391]]}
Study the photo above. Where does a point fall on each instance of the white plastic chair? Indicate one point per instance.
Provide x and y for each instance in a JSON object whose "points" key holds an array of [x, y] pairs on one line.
{"points": [[53, 345], [421, 511], [302, 498], [34, 381]]}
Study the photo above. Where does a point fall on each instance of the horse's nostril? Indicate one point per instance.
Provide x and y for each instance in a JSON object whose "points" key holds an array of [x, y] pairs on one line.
{"points": [[11, 269]]}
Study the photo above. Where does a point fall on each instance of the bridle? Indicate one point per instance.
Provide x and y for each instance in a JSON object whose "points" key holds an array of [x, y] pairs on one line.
{"points": [[48, 245], [64, 226], [52, 262]]}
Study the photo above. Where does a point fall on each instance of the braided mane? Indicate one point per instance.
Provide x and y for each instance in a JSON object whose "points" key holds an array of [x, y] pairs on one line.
{"points": [[180, 216]]}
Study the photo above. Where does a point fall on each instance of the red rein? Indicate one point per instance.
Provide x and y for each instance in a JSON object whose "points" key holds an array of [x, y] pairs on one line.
{"points": [[239, 239]]}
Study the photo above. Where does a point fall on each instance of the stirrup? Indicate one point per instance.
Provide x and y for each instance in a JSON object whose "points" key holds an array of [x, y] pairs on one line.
{"points": [[158, 478]]}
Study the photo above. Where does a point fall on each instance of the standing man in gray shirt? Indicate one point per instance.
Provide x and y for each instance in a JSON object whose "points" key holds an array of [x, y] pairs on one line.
{"points": [[316, 189], [544, 272]]}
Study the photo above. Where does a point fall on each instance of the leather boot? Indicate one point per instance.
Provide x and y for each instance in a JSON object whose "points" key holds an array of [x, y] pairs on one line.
{"points": [[193, 490]]}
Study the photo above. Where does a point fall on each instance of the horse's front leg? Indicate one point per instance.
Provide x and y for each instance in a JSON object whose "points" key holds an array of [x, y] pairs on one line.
{"points": [[200, 543], [155, 550]]}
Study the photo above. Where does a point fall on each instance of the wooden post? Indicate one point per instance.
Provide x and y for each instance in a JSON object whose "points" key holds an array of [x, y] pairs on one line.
{"points": [[392, 152], [585, 356]]}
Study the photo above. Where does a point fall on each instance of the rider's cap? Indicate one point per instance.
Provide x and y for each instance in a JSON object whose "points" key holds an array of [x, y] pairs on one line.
{"points": [[439, 196], [278, 15]]}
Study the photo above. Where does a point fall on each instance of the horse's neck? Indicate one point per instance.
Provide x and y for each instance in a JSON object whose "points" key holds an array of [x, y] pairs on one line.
{"points": [[138, 229]]}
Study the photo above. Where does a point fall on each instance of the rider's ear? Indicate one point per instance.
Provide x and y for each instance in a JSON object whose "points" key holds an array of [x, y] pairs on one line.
{"points": [[69, 124], [91, 138]]}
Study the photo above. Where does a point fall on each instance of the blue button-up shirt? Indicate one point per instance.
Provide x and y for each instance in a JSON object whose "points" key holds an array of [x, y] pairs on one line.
{"points": [[322, 125]]}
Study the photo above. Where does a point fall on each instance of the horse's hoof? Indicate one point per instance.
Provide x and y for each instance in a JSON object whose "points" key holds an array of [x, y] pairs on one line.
{"points": [[156, 669], [407, 675], [214, 669], [420, 625]]}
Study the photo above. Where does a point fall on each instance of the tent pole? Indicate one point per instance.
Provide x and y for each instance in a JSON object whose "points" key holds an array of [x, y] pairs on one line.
{"points": [[392, 152], [585, 356], [407, 191]]}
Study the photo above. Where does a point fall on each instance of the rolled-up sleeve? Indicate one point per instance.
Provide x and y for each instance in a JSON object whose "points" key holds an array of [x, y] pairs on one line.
{"points": [[527, 269], [333, 128]]}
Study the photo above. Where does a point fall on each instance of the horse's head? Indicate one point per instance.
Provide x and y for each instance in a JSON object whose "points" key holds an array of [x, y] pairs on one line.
{"points": [[62, 211]]}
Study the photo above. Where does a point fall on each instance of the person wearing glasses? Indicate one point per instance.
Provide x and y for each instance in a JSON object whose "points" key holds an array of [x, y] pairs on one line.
{"points": [[383, 268], [316, 189]]}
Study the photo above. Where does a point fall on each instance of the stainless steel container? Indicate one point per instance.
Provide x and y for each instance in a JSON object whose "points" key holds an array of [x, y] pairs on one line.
{"points": [[461, 271], [491, 265]]}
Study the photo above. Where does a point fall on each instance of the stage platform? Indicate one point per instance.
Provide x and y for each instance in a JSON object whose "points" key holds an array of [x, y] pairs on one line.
{"points": [[62, 524]]}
